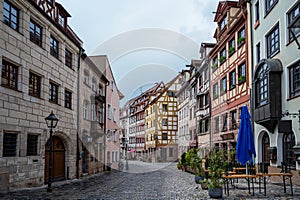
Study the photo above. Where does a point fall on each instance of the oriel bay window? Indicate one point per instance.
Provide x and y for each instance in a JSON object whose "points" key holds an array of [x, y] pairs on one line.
{"points": [[262, 86], [9, 76], [34, 85]]}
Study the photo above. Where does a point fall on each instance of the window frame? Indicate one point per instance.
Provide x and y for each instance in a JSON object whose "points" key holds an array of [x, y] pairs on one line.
{"points": [[269, 5], [291, 17], [53, 92], [34, 86], [232, 79], [294, 76], [85, 110], [262, 86], [241, 36], [13, 12], [109, 111], [68, 99], [231, 46], [273, 37], [223, 85], [32, 144], [10, 144], [36, 33], [215, 91], [222, 55], [68, 58], [10, 73], [242, 74], [54, 47]]}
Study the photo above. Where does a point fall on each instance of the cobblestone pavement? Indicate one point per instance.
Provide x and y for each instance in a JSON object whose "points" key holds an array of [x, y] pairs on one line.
{"points": [[142, 181]]}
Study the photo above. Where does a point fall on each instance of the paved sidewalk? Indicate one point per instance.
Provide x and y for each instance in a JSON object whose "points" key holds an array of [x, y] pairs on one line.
{"points": [[143, 181]]}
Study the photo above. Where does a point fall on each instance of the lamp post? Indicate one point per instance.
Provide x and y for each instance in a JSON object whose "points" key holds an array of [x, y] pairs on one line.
{"points": [[51, 122]]}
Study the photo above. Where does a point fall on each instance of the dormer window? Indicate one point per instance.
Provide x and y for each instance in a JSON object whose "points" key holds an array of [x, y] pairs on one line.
{"points": [[61, 20], [223, 23]]}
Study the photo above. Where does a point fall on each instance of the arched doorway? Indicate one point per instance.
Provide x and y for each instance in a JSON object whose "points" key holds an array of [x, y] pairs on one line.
{"points": [[287, 149], [265, 148], [58, 159]]}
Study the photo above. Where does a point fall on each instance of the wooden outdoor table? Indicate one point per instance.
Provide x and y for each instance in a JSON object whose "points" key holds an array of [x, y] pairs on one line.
{"points": [[284, 176], [230, 177]]}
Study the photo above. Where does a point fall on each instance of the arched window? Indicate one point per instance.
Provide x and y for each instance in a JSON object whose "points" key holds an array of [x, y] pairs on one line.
{"points": [[287, 149], [93, 112], [85, 110], [262, 86], [265, 147]]}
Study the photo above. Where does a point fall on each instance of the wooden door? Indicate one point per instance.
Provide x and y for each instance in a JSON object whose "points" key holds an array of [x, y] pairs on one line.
{"points": [[58, 170]]}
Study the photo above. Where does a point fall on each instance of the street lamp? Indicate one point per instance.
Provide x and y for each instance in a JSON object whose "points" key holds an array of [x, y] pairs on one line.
{"points": [[51, 122]]}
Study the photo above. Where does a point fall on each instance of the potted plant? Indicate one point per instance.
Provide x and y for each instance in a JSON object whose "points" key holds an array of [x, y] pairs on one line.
{"points": [[217, 166], [231, 50], [196, 165]]}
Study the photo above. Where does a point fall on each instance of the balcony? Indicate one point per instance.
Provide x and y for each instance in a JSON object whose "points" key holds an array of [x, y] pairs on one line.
{"points": [[100, 96]]}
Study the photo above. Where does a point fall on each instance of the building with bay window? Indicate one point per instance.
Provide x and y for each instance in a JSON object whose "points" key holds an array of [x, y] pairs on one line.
{"points": [[276, 81]]}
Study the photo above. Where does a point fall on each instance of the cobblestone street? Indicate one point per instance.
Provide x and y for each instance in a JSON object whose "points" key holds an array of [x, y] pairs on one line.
{"points": [[142, 181]]}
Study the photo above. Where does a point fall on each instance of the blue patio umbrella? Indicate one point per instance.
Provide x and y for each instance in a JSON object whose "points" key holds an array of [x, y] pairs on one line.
{"points": [[245, 143]]}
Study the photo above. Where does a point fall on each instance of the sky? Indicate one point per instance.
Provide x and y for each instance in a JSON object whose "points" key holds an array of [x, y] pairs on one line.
{"points": [[146, 41]]}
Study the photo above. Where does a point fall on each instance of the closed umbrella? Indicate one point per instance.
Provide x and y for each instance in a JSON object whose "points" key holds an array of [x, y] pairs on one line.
{"points": [[245, 149]]}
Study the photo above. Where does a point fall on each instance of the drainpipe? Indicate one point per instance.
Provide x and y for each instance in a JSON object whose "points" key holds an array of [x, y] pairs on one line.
{"points": [[104, 137], [81, 50]]}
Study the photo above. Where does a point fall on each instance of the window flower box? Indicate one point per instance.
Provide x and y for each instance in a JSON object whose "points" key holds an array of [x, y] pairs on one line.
{"points": [[241, 79], [241, 40], [231, 50], [222, 59]]}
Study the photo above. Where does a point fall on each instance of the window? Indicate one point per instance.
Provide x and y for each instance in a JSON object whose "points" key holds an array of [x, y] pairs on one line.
{"points": [[165, 107], [115, 136], [257, 11], [170, 152], [85, 110], [35, 33], [112, 86], [241, 36], [93, 112], [233, 116], [32, 145], [217, 124], [231, 46], [164, 136], [93, 84], [207, 100], [34, 85], [223, 84], [265, 149], [292, 16], [242, 73], [273, 42], [9, 144], [232, 81], [116, 153], [11, 15], [61, 20], [108, 135], [223, 23], [115, 114], [113, 156], [108, 111], [164, 122], [257, 52], [222, 55], [224, 119], [68, 99], [287, 148], [171, 93], [214, 63], [100, 114], [215, 91], [68, 58], [86, 77], [53, 92], [9, 75], [270, 4], [294, 79], [262, 86], [53, 47]]}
